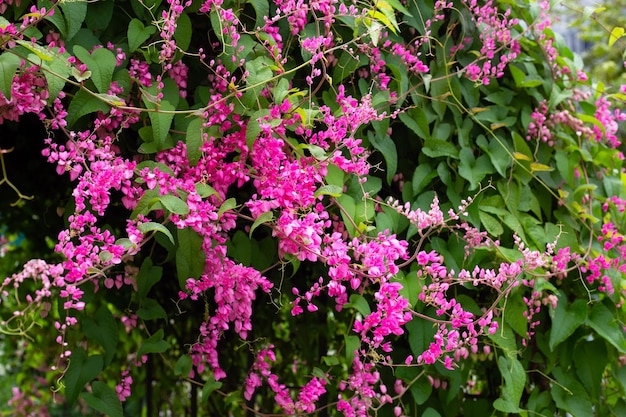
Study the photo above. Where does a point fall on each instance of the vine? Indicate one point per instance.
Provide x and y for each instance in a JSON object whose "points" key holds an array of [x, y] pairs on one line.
{"points": [[316, 207]]}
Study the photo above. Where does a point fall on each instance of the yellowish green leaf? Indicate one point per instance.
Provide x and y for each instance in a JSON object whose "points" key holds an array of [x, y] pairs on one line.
{"points": [[520, 156], [537, 167], [616, 33]]}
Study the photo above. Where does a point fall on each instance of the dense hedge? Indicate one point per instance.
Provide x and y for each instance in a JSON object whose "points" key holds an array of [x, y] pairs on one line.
{"points": [[307, 207]]}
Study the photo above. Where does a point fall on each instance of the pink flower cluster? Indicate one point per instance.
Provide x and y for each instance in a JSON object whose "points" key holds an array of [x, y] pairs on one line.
{"points": [[29, 93], [359, 263], [609, 118], [392, 312], [26, 404], [544, 123], [495, 36], [363, 390], [308, 396], [235, 289], [168, 27], [283, 161]]}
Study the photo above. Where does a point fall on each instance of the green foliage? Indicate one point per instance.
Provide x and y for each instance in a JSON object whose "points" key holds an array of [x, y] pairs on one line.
{"points": [[440, 139], [602, 31]]}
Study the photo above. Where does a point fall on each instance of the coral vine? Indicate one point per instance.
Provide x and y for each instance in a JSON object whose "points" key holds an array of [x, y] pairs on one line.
{"points": [[202, 169]]}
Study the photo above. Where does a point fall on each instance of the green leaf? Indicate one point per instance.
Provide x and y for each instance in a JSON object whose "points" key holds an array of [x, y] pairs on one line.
{"points": [[174, 204], [353, 343], [386, 16], [56, 19], [532, 82], [606, 324], [401, 78], [101, 63], [205, 191], [347, 64], [538, 400], [505, 338], [335, 176], [498, 155], [104, 399], [616, 33], [110, 100], [55, 71], [84, 103], [183, 31], [209, 386], [194, 140], [190, 258], [566, 319], [41, 52], [570, 395], [411, 287], [436, 148], [154, 226], [74, 13], [558, 96], [103, 329], [281, 89], [421, 390], [86, 38], [183, 366], [151, 310], [521, 147], [330, 189], [360, 304], [469, 303], [262, 9], [9, 63], [254, 126], [588, 11], [364, 213], [330, 360], [218, 26], [514, 314], [422, 176], [538, 167], [430, 412], [268, 216], [316, 151], [80, 371], [518, 74], [148, 275], [162, 115], [105, 256], [145, 203], [387, 147], [348, 212], [227, 205], [374, 28], [619, 409], [154, 344], [420, 335], [591, 359], [138, 34], [259, 71], [490, 223], [80, 76], [396, 6], [514, 381], [474, 169], [99, 15], [161, 121], [620, 374], [240, 248]]}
